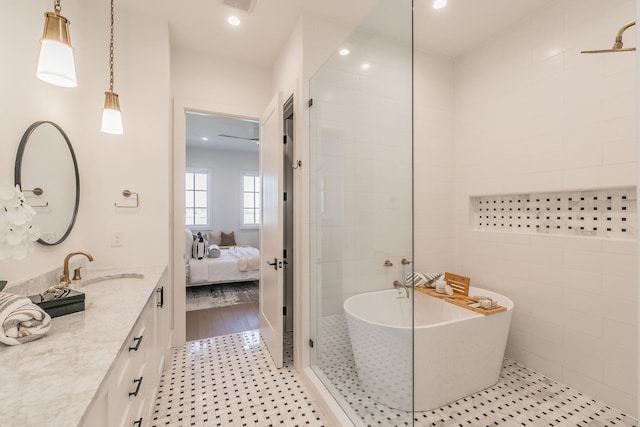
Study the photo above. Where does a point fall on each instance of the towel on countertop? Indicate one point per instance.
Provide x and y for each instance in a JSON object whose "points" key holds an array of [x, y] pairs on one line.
{"points": [[214, 251], [21, 321], [422, 280], [248, 257]]}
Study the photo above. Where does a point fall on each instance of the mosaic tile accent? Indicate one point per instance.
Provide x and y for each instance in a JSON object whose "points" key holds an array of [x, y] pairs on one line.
{"points": [[230, 380], [521, 397], [609, 213]]}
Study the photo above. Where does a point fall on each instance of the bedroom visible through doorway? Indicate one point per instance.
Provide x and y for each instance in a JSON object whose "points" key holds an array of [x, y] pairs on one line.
{"points": [[222, 218]]}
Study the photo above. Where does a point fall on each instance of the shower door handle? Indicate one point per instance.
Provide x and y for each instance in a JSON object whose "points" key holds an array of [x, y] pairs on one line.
{"points": [[274, 263]]}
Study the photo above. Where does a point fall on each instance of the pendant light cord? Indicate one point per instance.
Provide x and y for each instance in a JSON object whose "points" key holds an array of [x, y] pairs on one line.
{"points": [[111, 52], [56, 7]]}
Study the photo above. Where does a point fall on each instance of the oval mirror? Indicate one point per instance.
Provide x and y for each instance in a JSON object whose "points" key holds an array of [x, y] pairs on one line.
{"points": [[47, 173]]}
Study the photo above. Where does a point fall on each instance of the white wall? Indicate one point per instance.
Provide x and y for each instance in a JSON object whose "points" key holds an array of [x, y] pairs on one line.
{"points": [[142, 80], [533, 114], [434, 160], [220, 82], [227, 169]]}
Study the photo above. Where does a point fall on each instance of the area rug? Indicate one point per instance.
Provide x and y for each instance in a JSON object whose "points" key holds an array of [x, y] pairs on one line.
{"points": [[221, 295]]}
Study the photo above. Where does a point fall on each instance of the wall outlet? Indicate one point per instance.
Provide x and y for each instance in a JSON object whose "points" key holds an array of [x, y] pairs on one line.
{"points": [[117, 238]]}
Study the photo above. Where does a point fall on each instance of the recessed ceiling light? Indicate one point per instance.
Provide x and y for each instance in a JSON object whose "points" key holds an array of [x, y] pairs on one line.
{"points": [[439, 4], [233, 20], [366, 66], [344, 52], [204, 138]]}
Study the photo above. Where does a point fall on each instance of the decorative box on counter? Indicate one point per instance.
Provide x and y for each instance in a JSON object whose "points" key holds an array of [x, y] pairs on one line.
{"points": [[63, 301]]}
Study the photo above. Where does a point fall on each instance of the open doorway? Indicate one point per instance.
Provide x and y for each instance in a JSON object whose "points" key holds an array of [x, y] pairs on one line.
{"points": [[222, 218]]}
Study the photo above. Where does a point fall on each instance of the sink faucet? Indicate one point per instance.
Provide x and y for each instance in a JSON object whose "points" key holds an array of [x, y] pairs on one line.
{"points": [[64, 279], [65, 269], [398, 285]]}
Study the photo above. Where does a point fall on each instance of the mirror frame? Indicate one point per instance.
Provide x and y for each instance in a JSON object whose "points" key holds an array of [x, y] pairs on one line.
{"points": [[18, 173]]}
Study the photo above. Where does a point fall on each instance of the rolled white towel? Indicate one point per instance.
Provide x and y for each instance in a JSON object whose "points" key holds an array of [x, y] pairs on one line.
{"points": [[21, 321]]}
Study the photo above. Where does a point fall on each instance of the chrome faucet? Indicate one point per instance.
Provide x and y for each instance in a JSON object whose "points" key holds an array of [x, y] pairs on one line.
{"points": [[76, 273], [398, 285]]}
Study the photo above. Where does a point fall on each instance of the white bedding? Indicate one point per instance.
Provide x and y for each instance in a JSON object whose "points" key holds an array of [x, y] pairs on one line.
{"points": [[219, 270]]}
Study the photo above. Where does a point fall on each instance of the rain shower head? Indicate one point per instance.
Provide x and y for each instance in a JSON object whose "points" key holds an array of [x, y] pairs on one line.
{"points": [[617, 46]]}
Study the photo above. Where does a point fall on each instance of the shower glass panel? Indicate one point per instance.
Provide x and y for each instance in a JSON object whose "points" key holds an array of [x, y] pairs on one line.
{"points": [[362, 218]]}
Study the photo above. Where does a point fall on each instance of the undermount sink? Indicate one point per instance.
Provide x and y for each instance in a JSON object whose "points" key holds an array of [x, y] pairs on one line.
{"points": [[111, 277]]}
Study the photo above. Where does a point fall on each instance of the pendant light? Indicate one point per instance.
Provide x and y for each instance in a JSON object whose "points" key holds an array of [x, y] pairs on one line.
{"points": [[55, 64], [111, 115]]}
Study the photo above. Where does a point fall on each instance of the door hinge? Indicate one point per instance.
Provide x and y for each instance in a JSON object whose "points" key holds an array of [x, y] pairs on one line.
{"points": [[284, 311], [285, 196], [310, 102], [311, 343], [284, 139]]}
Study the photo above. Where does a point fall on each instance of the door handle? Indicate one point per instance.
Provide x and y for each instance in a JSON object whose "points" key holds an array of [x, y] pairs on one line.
{"points": [[274, 263]]}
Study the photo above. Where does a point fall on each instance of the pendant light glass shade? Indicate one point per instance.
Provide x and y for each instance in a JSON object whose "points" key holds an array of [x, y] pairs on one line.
{"points": [[111, 116], [56, 64]]}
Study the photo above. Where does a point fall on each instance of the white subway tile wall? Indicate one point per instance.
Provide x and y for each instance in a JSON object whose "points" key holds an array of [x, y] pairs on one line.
{"points": [[534, 117]]}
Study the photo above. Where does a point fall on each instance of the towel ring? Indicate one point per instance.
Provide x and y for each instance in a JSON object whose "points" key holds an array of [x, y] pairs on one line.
{"points": [[127, 193]]}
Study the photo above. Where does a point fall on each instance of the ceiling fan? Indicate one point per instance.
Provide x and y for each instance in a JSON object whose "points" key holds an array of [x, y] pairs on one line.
{"points": [[239, 137]]}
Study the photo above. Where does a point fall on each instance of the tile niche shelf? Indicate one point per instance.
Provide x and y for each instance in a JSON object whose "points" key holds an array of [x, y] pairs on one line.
{"points": [[603, 213]]}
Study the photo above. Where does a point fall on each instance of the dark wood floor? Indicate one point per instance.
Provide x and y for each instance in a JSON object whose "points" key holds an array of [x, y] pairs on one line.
{"points": [[213, 322]]}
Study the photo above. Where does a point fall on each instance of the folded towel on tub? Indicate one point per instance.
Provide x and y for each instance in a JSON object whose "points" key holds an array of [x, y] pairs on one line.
{"points": [[21, 321], [421, 280]]}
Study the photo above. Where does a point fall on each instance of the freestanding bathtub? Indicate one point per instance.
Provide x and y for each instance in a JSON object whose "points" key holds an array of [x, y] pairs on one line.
{"points": [[457, 351]]}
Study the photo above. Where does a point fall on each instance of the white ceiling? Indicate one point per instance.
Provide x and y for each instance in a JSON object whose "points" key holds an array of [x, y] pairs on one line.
{"points": [[241, 134], [200, 25]]}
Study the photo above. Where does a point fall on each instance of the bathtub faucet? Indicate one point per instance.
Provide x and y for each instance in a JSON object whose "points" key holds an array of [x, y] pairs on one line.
{"points": [[398, 285]]}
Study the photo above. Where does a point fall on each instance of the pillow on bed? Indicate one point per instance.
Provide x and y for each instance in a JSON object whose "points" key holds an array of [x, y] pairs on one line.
{"points": [[214, 251], [227, 239], [188, 243], [215, 238]]}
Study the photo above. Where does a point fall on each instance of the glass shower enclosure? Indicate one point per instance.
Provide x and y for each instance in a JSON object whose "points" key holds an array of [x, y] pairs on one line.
{"points": [[361, 233]]}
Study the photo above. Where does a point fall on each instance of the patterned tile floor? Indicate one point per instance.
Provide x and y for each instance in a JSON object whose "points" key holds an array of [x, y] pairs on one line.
{"points": [[521, 397], [230, 381]]}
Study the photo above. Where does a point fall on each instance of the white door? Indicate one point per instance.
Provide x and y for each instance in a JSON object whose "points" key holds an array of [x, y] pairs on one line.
{"points": [[271, 229]]}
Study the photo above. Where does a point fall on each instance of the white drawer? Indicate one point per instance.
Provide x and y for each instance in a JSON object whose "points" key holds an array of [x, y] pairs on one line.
{"points": [[134, 416]]}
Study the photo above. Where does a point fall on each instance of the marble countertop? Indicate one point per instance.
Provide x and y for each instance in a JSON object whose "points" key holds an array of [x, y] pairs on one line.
{"points": [[53, 381]]}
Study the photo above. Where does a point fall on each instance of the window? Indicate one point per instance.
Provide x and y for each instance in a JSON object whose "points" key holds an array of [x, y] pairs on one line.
{"points": [[196, 198], [251, 200]]}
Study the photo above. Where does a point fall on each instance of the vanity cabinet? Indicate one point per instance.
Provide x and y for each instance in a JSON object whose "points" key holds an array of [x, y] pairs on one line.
{"points": [[127, 393]]}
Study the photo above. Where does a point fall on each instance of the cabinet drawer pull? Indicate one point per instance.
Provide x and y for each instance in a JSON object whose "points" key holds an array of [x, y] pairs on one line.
{"points": [[137, 340], [138, 423], [161, 292], [138, 382]]}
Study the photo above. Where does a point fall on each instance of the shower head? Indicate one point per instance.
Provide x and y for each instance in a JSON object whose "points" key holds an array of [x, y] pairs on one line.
{"points": [[617, 45], [626, 49]]}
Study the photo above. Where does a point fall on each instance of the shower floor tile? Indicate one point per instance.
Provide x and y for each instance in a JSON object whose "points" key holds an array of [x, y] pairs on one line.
{"points": [[521, 397], [230, 380]]}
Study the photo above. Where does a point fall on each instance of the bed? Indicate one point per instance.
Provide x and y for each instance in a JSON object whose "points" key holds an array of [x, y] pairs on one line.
{"points": [[224, 269], [235, 264]]}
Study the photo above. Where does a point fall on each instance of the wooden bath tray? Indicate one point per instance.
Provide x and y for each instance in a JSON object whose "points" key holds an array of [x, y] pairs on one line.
{"points": [[461, 301], [464, 302]]}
